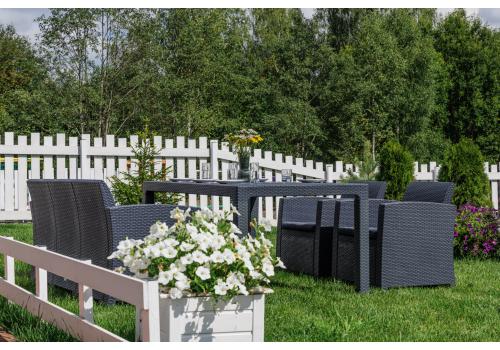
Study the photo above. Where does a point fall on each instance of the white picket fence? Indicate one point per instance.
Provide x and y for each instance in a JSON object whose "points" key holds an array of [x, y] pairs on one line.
{"points": [[144, 295], [86, 158]]}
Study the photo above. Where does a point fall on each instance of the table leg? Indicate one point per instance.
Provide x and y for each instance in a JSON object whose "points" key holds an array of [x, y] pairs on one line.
{"points": [[242, 220], [148, 198], [362, 243]]}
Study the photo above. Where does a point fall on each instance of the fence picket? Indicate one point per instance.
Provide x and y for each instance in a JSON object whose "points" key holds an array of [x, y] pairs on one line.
{"points": [[9, 174]]}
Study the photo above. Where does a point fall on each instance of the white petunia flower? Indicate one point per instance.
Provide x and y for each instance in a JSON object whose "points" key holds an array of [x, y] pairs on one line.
{"points": [[179, 276], [211, 227], [268, 269], [280, 264], [158, 229], [203, 241], [234, 210], [187, 259], [182, 284], [164, 277], [234, 229], [203, 273], [169, 252], [217, 257], [178, 215], [228, 256], [255, 275], [192, 230], [217, 242], [186, 247], [221, 287], [267, 224], [242, 289], [175, 293], [248, 264], [199, 257], [170, 242]]}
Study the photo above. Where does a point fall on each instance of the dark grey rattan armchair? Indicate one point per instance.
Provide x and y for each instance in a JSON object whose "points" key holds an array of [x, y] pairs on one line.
{"points": [[305, 227], [78, 218], [410, 241]]}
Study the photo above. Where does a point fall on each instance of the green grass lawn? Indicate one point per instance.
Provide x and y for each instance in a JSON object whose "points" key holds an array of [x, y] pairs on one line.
{"points": [[306, 309]]}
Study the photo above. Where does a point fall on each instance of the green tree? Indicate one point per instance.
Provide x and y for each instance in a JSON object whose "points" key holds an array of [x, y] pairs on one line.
{"points": [[25, 103], [471, 51], [463, 165]]}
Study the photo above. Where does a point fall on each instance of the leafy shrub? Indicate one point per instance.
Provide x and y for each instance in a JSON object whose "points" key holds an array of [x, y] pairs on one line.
{"points": [[463, 165], [476, 232], [127, 189], [396, 167], [428, 145], [367, 166]]}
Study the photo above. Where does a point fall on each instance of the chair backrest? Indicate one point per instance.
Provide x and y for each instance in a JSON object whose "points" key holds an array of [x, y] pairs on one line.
{"points": [[437, 192], [77, 212], [376, 189]]}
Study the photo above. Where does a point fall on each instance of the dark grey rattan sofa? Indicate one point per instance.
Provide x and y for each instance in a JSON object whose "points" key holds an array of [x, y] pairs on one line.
{"points": [[410, 241], [79, 218], [305, 231]]}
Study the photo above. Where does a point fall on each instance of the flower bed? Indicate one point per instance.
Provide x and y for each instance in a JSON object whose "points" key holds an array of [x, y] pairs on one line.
{"points": [[476, 232]]}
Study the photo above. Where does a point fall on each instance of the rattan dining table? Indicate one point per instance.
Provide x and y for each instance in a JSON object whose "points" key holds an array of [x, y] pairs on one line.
{"points": [[244, 196]]}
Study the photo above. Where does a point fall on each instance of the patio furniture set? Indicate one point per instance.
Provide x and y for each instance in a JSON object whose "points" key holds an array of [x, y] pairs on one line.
{"points": [[359, 237]]}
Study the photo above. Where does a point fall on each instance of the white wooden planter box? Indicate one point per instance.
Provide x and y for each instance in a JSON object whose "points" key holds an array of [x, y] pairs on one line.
{"points": [[201, 319]]}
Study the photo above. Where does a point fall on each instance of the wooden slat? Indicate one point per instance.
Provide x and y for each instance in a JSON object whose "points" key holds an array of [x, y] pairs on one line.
{"points": [[56, 315], [48, 160], [61, 171], [98, 167], [9, 174], [22, 176], [122, 287], [181, 164], [110, 160], [192, 198]]}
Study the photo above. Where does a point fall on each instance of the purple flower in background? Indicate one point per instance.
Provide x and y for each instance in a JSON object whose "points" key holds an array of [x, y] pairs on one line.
{"points": [[478, 227]]}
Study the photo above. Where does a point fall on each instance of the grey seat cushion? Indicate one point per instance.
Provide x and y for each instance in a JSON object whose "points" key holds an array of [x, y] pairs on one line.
{"points": [[349, 231], [299, 226]]}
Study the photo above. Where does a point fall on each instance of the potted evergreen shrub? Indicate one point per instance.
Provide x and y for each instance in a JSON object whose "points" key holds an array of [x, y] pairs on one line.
{"points": [[396, 167], [213, 281]]}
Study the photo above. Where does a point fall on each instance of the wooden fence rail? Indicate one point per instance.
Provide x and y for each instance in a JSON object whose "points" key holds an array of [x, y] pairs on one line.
{"points": [[144, 295], [26, 157]]}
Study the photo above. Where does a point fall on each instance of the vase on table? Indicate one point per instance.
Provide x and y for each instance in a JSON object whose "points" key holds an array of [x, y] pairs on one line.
{"points": [[244, 169]]}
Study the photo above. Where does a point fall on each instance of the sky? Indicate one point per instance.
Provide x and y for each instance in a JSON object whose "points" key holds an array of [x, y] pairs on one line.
{"points": [[24, 19]]}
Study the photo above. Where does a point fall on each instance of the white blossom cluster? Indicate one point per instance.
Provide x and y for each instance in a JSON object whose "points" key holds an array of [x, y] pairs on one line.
{"points": [[202, 253]]}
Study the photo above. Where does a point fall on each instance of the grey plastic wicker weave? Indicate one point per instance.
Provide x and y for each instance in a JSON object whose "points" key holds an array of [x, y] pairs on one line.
{"points": [[78, 218], [244, 196], [305, 230], [410, 241]]}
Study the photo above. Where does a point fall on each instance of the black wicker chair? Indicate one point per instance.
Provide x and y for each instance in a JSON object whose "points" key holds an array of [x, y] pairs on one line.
{"points": [[78, 218], [410, 241], [304, 232]]}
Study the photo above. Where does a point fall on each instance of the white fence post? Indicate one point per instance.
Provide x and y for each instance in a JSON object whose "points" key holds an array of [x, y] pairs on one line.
{"points": [[86, 300], [9, 267], [150, 314], [41, 281]]}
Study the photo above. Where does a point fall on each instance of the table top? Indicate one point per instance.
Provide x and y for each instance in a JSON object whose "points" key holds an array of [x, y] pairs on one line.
{"points": [[257, 189]]}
